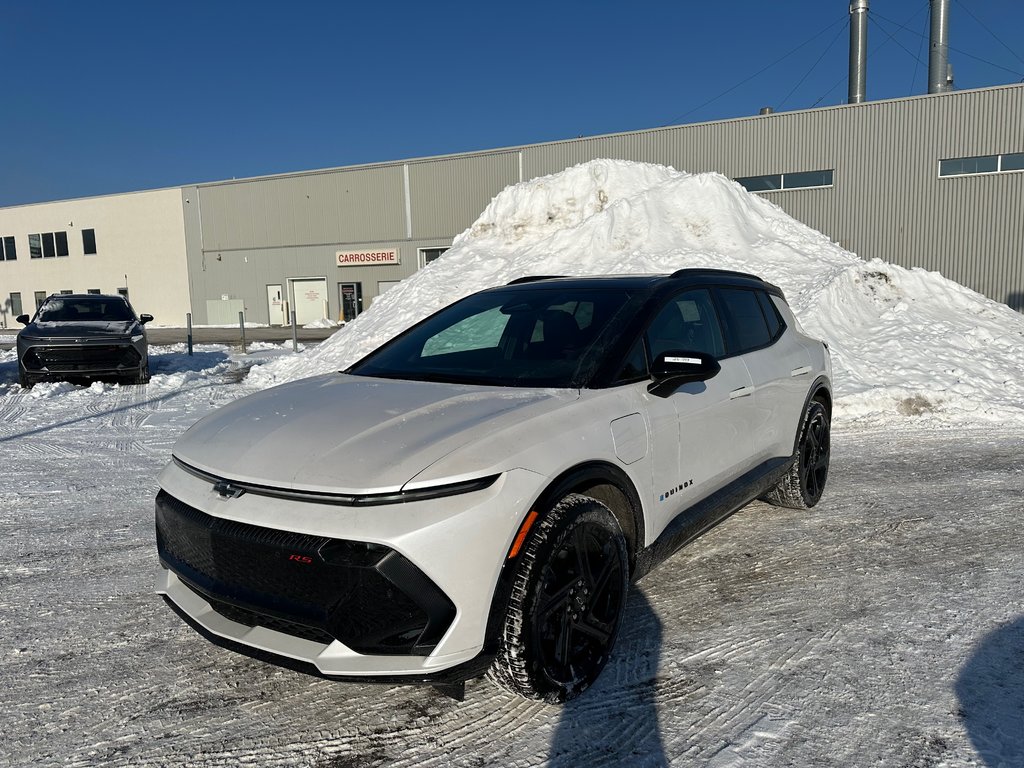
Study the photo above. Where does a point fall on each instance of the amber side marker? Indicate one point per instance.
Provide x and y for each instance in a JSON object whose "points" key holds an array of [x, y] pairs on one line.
{"points": [[521, 536]]}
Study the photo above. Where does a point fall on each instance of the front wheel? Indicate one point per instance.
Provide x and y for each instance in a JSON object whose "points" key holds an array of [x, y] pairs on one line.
{"points": [[24, 379], [802, 487], [566, 603]]}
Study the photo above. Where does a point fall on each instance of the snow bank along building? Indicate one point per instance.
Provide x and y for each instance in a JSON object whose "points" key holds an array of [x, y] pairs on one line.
{"points": [[933, 181]]}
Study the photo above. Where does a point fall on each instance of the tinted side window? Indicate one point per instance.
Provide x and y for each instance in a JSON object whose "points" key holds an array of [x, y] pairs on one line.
{"points": [[687, 322], [771, 314], [745, 326]]}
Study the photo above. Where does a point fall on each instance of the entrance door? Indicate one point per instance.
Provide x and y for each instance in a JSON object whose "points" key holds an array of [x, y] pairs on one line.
{"points": [[277, 307], [309, 299], [350, 297]]}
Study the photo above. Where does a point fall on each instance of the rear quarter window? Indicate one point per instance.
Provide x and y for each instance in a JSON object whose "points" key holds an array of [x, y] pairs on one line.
{"points": [[771, 315], [745, 324]]}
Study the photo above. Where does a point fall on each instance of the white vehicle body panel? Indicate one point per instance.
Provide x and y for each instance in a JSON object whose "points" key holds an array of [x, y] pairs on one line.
{"points": [[347, 434]]}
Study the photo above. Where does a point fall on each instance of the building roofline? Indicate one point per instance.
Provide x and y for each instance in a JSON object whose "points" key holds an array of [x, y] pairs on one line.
{"points": [[520, 147]]}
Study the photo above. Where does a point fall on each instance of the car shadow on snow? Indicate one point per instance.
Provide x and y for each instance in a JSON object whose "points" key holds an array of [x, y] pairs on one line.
{"points": [[991, 693], [616, 721]]}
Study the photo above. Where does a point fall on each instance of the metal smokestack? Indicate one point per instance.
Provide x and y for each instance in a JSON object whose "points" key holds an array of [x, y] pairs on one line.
{"points": [[940, 74], [858, 51]]}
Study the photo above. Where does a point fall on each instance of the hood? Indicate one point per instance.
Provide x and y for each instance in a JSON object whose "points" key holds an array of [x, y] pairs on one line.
{"points": [[80, 330], [354, 434]]}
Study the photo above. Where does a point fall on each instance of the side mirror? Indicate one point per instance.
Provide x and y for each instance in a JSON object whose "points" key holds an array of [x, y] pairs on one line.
{"points": [[23, 319], [145, 319], [675, 367]]}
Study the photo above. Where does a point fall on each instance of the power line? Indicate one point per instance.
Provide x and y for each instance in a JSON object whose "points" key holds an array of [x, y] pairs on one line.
{"points": [[917, 60], [813, 66], [815, 36], [966, 8], [893, 38], [957, 50], [871, 53]]}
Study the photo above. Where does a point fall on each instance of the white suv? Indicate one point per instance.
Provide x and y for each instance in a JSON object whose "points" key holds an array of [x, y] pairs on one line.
{"points": [[476, 495]]}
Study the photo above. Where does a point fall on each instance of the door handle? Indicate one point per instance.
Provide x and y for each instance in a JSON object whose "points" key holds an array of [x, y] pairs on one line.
{"points": [[801, 371], [741, 392]]}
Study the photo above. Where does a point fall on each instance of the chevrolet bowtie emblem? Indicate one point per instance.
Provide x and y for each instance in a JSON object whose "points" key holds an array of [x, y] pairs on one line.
{"points": [[227, 490]]}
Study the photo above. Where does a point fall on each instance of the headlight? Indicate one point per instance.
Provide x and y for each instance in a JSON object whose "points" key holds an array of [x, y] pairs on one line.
{"points": [[140, 337]]}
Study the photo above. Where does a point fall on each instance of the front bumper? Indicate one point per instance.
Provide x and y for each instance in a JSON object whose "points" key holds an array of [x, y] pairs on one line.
{"points": [[56, 358], [385, 591]]}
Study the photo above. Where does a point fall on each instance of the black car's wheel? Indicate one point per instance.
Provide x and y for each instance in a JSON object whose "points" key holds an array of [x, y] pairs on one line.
{"points": [[566, 603], [143, 375], [803, 486], [24, 379]]}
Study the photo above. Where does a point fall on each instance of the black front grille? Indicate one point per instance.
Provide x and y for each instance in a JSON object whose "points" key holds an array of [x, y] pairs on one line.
{"points": [[85, 357], [367, 596]]}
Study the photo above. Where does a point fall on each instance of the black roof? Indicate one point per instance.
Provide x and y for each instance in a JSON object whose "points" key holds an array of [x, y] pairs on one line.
{"points": [[695, 276]]}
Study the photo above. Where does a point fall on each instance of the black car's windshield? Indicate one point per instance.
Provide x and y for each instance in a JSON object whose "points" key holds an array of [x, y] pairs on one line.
{"points": [[542, 337], [80, 309]]}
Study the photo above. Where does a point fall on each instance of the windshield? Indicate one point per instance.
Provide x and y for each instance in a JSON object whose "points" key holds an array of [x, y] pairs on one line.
{"points": [[546, 337], [99, 308]]}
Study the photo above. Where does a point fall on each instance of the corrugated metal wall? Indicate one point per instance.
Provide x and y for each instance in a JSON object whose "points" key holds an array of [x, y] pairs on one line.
{"points": [[359, 205], [448, 195], [887, 200]]}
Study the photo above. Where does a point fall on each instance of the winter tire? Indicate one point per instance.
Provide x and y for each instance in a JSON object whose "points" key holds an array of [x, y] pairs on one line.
{"points": [[803, 485], [566, 603], [24, 379]]}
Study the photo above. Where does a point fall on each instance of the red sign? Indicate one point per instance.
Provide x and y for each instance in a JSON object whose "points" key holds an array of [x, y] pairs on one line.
{"points": [[367, 258]]}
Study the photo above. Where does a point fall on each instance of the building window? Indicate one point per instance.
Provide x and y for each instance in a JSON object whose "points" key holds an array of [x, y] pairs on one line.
{"points": [[428, 255], [761, 183], [1014, 162], [16, 303], [40, 298], [122, 292], [7, 249], [47, 245], [968, 166], [776, 181], [66, 292], [89, 241], [94, 291]]}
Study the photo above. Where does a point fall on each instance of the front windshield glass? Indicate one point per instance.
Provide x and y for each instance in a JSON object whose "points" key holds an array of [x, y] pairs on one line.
{"points": [[83, 309], [542, 337]]}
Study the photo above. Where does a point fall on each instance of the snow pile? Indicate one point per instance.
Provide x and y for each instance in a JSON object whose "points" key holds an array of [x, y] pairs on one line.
{"points": [[904, 341], [325, 322]]}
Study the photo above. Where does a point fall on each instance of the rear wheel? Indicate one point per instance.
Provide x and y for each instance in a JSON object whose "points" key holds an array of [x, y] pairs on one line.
{"points": [[802, 487], [566, 603]]}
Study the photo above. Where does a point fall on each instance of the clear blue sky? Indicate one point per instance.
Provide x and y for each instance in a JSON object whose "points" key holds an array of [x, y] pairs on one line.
{"points": [[102, 97]]}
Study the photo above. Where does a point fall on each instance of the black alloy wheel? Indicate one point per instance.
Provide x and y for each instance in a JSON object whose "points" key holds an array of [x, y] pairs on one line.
{"points": [[803, 484], [814, 454], [567, 603]]}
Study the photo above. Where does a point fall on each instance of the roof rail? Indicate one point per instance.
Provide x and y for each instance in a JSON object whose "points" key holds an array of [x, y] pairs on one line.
{"points": [[533, 279], [723, 272]]}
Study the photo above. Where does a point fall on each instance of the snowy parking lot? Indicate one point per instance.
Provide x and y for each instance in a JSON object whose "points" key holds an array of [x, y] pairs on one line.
{"points": [[885, 627]]}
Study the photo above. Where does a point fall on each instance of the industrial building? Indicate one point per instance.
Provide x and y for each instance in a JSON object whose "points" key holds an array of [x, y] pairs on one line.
{"points": [[933, 181]]}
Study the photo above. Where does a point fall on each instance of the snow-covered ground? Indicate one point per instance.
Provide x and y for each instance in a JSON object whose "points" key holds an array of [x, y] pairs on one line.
{"points": [[885, 627]]}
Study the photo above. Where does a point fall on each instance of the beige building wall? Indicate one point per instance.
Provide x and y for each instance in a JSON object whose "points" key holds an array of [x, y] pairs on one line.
{"points": [[140, 244]]}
